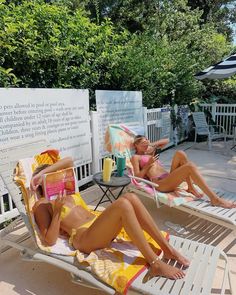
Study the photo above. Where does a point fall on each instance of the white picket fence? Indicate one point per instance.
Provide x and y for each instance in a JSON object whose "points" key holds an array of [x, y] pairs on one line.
{"points": [[222, 114]]}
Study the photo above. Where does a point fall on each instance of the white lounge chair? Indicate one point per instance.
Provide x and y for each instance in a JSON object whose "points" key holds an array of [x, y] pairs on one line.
{"points": [[200, 274], [211, 131], [119, 140]]}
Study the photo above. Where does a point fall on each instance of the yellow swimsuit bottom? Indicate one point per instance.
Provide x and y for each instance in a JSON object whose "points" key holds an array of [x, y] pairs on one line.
{"points": [[74, 230]]}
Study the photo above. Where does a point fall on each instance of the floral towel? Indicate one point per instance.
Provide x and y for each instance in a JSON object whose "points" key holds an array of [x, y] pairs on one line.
{"points": [[175, 198], [119, 140]]}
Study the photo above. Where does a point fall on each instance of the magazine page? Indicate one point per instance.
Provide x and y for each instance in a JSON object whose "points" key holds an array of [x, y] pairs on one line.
{"points": [[59, 181]]}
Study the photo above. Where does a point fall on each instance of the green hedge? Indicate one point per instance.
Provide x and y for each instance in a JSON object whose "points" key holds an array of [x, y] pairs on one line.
{"points": [[50, 45]]}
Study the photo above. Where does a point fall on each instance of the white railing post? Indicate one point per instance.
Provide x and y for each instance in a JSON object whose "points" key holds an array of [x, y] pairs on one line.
{"points": [[145, 114], [213, 111], [196, 107], [2, 205], [95, 142]]}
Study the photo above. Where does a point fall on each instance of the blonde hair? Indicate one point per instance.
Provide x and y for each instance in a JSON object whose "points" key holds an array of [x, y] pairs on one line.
{"points": [[138, 138]]}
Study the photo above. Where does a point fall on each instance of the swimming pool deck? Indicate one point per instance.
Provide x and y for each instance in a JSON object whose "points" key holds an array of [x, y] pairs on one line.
{"points": [[219, 169]]}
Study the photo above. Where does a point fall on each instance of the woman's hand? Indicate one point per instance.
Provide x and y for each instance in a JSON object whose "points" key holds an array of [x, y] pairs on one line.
{"points": [[156, 153], [59, 202], [152, 160], [36, 181]]}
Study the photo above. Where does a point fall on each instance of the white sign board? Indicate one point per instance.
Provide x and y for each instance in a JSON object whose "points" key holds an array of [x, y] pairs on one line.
{"points": [[60, 115], [116, 107]]}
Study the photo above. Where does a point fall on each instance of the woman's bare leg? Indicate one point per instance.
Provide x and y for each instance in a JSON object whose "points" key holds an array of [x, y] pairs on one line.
{"points": [[107, 226], [180, 158], [147, 223], [180, 174]]}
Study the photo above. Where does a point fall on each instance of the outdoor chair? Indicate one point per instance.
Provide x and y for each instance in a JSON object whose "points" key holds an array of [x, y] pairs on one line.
{"points": [[211, 131], [199, 277], [119, 141]]}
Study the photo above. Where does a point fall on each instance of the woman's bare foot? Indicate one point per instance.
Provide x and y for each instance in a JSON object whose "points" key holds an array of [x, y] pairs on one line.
{"points": [[219, 202], [193, 191], [175, 255], [159, 268]]}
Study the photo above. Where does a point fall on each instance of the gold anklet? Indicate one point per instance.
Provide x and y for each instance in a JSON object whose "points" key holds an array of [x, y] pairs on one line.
{"points": [[154, 261]]}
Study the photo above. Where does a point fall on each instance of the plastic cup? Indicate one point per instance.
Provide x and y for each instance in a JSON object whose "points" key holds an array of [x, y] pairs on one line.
{"points": [[108, 167], [120, 165]]}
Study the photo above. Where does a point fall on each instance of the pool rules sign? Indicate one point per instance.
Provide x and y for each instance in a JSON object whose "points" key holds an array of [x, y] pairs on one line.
{"points": [[59, 115]]}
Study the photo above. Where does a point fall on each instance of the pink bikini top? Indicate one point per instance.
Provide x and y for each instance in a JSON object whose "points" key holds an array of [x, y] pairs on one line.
{"points": [[144, 159]]}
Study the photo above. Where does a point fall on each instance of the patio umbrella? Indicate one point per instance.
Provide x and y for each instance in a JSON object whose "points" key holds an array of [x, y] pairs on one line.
{"points": [[221, 70]]}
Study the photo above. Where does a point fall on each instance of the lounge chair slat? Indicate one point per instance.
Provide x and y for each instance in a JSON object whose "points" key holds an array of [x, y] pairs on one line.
{"points": [[203, 269], [196, 251], [226, 215], [185, 286], [184, 248], [206, 285], [188, 281]]}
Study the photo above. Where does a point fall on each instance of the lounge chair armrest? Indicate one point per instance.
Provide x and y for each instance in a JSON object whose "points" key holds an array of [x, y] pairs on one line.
{"points": [[144, 180], [218, 126]]}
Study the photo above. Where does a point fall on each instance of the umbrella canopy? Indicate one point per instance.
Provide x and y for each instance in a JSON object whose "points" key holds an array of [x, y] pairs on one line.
{"points": [[221, 70]]}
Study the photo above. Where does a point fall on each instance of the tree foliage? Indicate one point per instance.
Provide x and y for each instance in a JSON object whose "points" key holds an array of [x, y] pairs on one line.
{"points": [[219, 12], [135, 15], [153, 46], [50, 47]]}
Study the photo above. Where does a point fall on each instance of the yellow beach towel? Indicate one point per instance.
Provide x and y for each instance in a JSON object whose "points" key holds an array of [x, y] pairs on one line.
{"points": [[121, 263]]}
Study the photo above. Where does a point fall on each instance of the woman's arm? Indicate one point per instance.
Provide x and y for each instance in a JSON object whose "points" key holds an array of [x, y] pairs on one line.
{"points": [[156, 144], [48, 225], [161, 143], [61, 164]]}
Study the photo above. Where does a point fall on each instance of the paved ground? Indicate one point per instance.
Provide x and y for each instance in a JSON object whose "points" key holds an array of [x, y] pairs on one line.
{"points": [[217, 166]]}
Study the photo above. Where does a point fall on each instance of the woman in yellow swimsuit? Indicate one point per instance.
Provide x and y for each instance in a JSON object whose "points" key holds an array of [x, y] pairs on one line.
{"points": [[147, 165], [88, 232]]}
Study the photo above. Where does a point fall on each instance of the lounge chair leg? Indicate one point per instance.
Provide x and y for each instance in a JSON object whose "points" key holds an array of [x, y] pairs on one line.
{"points": [[76, 279], [195, 137], [79, 281], [157, 200], [209, 143], [2, 245], [230, 283], [26, 256]]}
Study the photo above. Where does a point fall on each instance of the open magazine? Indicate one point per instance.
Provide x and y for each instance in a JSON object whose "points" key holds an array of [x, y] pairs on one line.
{"points": [[59, 181]]}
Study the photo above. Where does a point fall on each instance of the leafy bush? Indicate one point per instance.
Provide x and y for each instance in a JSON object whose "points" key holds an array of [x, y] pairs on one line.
{"points": [[220, 91], [57, 44], [47, 46]]}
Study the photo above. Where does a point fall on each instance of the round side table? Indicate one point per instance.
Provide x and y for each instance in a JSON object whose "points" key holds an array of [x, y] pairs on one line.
{"points": [[115, 182]]}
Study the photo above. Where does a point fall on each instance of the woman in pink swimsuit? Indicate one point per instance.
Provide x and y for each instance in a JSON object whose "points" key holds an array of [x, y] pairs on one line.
{"points": [[146, 165]]}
